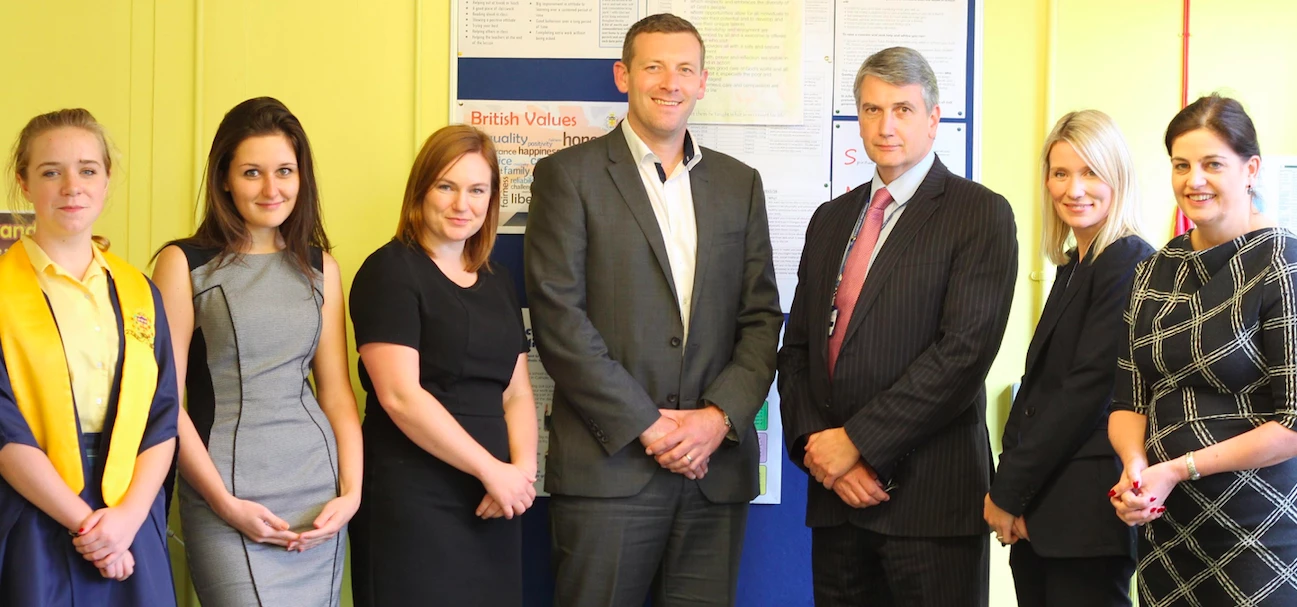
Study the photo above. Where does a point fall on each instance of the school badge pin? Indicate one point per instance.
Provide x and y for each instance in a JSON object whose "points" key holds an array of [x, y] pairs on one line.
{"points": [[141, 327]]}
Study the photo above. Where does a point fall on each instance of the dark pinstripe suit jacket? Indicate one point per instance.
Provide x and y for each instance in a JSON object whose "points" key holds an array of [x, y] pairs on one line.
{"points": [[910, 381]]}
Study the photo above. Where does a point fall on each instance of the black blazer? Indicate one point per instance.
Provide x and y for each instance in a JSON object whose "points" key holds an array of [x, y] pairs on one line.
{"points": [[1058, 465], [909, 384]]}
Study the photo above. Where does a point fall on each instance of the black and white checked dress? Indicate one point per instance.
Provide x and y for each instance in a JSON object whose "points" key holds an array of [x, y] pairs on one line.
{"points": [[1213, 354]]}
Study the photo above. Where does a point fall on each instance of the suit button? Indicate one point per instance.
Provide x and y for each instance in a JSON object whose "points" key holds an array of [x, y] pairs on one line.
{"points": [[671, 398], [1030, 411], [675, 342]]}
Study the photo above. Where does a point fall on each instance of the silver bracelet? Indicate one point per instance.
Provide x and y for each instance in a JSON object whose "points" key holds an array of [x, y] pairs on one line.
{"points": [[1193, 468]]}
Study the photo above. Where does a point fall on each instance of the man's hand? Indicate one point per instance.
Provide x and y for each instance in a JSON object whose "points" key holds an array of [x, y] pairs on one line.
{"points": [[686, 449], [659, 429], [860, 488], [829, 455]]}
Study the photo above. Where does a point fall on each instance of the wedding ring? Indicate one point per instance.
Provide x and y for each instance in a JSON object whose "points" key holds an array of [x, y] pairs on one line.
{"points": [[689, 459]]}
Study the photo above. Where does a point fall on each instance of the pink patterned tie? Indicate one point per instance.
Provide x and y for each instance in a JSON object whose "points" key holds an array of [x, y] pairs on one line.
{"points": [[853, 275]]}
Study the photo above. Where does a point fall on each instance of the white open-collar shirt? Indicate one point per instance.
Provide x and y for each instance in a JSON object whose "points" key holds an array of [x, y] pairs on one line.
{"points": [[671, 196]]}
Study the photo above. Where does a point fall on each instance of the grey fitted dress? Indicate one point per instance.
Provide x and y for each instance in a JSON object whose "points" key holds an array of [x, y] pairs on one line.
{"points": [[256, 326]]}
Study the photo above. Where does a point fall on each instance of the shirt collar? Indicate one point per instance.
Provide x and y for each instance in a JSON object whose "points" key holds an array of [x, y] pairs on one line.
{"points": [[903, 188], [42, 263], [642, 154]]}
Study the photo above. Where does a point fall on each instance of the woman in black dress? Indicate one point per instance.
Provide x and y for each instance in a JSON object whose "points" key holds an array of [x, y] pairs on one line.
{"points": [[450, 426], [1206, 398], [1048, 495]]}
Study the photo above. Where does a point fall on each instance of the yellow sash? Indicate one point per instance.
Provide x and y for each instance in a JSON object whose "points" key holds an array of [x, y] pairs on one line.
{"points": [[42, 386]]}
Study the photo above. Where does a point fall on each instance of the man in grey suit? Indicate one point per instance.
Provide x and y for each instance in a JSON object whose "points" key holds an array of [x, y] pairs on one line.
{"points": [[654, 307], [903, 295]]}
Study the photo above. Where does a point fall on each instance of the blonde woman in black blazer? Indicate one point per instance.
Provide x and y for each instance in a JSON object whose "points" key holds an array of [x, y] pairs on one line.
{"points": [[1048, 497]]}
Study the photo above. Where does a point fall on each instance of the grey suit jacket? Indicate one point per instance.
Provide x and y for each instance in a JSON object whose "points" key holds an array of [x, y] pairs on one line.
{"points": [[607, 324], [909, 385]]}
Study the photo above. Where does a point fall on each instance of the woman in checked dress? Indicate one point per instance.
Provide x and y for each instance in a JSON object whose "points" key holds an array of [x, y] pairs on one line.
{"points": [[1206, 395]]}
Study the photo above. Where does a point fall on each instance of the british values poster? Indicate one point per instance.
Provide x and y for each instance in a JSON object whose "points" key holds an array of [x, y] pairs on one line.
{"points": [[524, 132]]}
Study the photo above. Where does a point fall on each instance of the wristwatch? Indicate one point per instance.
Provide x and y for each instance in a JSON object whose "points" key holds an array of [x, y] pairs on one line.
{"points": [[730, 432]]}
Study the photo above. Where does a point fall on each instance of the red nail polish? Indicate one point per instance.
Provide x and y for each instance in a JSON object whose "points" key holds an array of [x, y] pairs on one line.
{"points": [[1112, 493], [1137, 484], [1152, 498]]}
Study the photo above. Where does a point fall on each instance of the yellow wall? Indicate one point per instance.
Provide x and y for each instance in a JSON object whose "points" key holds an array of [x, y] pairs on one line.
{"points": [[1044, 58], [370, 81]]}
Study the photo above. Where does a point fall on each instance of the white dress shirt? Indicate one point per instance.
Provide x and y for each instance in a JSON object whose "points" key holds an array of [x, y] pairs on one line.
{"points": [[672, 198]]}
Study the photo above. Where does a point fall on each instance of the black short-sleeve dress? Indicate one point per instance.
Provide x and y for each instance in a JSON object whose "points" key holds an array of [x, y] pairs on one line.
{"points": [[415, 539], [1213, 354]]}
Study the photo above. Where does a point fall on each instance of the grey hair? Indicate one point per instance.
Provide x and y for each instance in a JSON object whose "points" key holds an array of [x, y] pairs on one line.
{"points": [[900, 66]]}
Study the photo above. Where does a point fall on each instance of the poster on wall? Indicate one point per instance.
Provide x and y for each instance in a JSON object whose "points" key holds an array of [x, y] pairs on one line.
{"points": [[12, 227], [525, 132], [755, 76], [852, 167], [770, 438], [542, 388], [1278, 189], [938, 30], [497, 28]]}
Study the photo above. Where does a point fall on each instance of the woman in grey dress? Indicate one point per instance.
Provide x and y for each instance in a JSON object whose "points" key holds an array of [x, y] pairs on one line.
{"points": [[270, 468], [1206, 397]]}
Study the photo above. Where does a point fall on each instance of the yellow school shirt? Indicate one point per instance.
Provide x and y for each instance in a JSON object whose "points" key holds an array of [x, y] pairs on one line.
{"points": [[87, 326]]}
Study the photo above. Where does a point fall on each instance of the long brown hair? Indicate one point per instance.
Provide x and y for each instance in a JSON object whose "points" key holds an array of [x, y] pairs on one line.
{"points": [[223, 227], [440, 151], [20, 158]]}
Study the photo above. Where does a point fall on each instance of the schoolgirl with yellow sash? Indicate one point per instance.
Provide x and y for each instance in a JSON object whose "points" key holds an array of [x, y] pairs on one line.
{"points": [[87, 392]]}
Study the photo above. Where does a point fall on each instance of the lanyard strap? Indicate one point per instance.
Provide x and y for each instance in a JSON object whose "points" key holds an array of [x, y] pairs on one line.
{"points": [[842, 265]]}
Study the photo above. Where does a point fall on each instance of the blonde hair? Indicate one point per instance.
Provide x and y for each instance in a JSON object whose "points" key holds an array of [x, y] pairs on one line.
{"points": [[21, 156], [1098, 141]]}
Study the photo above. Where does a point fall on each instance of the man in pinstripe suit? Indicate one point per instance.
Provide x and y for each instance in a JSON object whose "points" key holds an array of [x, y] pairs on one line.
{"points": [[903, 295]]}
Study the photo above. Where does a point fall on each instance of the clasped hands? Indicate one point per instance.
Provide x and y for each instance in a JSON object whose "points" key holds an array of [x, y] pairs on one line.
{"points": [[1139, 494], [683, 441], [835, 462], [510, 490], [1007, 527], [260, 525], [105, 537]]}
